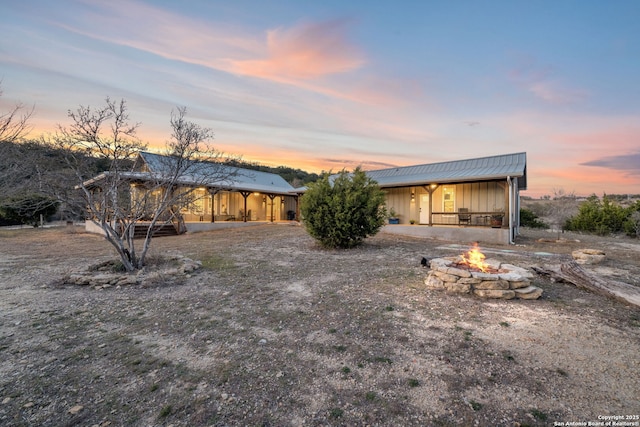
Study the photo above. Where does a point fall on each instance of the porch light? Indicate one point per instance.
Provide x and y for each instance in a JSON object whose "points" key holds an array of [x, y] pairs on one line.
{"points": [[282, 199], [413, 196]]}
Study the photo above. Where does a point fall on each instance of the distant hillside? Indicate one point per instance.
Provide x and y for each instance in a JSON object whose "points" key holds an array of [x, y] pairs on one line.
{"points": [[33, 174], [295, 177], [35, 168]]}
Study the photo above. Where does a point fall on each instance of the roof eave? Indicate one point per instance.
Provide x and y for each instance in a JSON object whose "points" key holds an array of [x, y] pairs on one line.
{"points": [[448, 180]]}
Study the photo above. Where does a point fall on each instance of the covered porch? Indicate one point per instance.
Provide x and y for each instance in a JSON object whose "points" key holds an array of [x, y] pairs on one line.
{"points": [[212, 205], [464, 200]]}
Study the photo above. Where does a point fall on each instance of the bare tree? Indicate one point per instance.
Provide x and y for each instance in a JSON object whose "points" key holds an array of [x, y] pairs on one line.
{"points": [[189, 163], [562, 207], [122, 197], [22, 174], [14, 124]]}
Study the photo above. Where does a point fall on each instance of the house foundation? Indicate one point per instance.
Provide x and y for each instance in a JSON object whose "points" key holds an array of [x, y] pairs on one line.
{"points": [[452, 233]]}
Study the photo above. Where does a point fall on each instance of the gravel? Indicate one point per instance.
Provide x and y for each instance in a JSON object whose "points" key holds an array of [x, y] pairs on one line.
{"points": [[274, 331]]}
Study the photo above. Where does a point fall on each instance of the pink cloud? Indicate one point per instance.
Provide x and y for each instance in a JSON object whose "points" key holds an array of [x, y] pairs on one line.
{"points": [[540, 81], [303, 56], [554, 93], [306, 51], [153, 29]]}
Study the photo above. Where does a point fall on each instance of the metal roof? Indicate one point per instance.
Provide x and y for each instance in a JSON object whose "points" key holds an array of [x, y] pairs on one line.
{"points": [[479, 169], [242, 179]]}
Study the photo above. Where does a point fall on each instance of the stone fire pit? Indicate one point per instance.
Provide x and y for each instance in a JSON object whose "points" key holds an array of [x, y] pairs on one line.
{"points": [[502, 281]]}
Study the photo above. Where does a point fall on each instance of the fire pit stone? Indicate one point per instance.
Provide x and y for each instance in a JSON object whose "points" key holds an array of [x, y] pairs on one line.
{"points": [[501, 281], [588, 256]]}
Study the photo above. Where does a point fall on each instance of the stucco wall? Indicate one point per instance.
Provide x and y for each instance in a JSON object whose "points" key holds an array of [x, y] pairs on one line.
{"points": [[453, 234]]}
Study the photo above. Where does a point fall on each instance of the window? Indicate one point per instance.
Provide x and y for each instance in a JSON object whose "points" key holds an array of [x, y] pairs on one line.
{"points": [[449, 199], [196, 201]]}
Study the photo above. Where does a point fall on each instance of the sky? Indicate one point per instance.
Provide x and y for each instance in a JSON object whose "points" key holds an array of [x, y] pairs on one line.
{"points": [[327, 85]]}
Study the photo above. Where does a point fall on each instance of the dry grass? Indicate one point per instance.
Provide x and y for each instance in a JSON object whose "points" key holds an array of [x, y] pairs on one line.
{"points": [[276, 331]]}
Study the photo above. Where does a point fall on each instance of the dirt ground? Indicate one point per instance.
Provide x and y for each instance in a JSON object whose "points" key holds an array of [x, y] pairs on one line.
{"points": [[274, 331]]}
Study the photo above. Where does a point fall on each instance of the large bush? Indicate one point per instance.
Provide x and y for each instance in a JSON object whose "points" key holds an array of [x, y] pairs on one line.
{"points": [[604, 217], [340, 213], [632, 224]]}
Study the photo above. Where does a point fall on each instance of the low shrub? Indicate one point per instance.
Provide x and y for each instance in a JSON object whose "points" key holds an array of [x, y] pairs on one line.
{"points": [[529, 219]]}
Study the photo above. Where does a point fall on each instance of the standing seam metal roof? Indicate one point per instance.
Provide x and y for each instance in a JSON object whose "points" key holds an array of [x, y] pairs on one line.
{"points": [[245, 179], [479, 169]]}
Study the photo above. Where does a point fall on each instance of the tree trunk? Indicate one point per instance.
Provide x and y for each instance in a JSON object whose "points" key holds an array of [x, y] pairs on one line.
{"points": [[573, 273], [112, 236]]}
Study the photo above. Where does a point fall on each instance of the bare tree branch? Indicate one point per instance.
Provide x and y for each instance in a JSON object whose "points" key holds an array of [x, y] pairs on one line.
{"points": [[14, 124], [120, 198]]}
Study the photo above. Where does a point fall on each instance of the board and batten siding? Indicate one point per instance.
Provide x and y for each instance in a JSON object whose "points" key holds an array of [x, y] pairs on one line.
{"points": [[484, 196], [399, 199]]}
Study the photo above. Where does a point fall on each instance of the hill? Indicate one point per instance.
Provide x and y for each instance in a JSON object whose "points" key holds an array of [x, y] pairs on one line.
{"points": [[34, 177]]}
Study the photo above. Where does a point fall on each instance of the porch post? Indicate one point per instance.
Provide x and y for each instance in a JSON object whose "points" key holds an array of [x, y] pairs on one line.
{"points": [[245, 194], [430, 189], [271, 196], [507, 202], [213, 191]]}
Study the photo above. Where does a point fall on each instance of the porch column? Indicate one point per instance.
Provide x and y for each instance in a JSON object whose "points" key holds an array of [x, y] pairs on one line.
{"points": [[213, 192], [507, 202], [271, 196], [245, 194], [430, 189]]}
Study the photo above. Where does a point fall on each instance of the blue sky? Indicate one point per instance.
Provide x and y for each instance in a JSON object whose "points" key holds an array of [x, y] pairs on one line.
{"points": [[328, 85]]}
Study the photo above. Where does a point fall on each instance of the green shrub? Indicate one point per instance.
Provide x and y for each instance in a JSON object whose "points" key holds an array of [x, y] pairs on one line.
{"points": [[27, 208], [529, 219], [603, 217], [631, 225], [340, 213]]}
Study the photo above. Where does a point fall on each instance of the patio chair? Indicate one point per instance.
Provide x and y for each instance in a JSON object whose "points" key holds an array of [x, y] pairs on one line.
{"points": [[464, 217], [242, 216]]}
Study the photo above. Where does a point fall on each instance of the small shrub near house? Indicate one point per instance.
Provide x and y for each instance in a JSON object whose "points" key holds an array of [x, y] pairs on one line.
{"points": [[529, 219], [341, 213]]}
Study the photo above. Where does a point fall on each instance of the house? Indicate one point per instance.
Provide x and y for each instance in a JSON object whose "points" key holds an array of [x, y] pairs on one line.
{"points": [[464, 200], [223, 196], [248, 195]]}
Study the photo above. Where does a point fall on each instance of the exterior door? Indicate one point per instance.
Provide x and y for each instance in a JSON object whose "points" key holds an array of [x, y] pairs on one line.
{"points": [[424, 208]]}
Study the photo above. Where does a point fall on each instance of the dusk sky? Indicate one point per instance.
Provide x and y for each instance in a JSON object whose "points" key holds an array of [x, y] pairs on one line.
{"points": [[327, 85]]}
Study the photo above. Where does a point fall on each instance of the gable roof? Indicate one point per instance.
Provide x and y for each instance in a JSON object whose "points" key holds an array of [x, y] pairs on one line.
{"points": [[479, 169], [241, 179]]}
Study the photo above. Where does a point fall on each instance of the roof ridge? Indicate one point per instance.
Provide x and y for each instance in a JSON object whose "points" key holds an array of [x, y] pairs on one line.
{"points": [[435, 164]]}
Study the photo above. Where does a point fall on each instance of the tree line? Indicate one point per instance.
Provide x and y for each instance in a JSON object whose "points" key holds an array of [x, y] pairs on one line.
{"points": [[35, 179], [37, 182], [86, 168]]}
